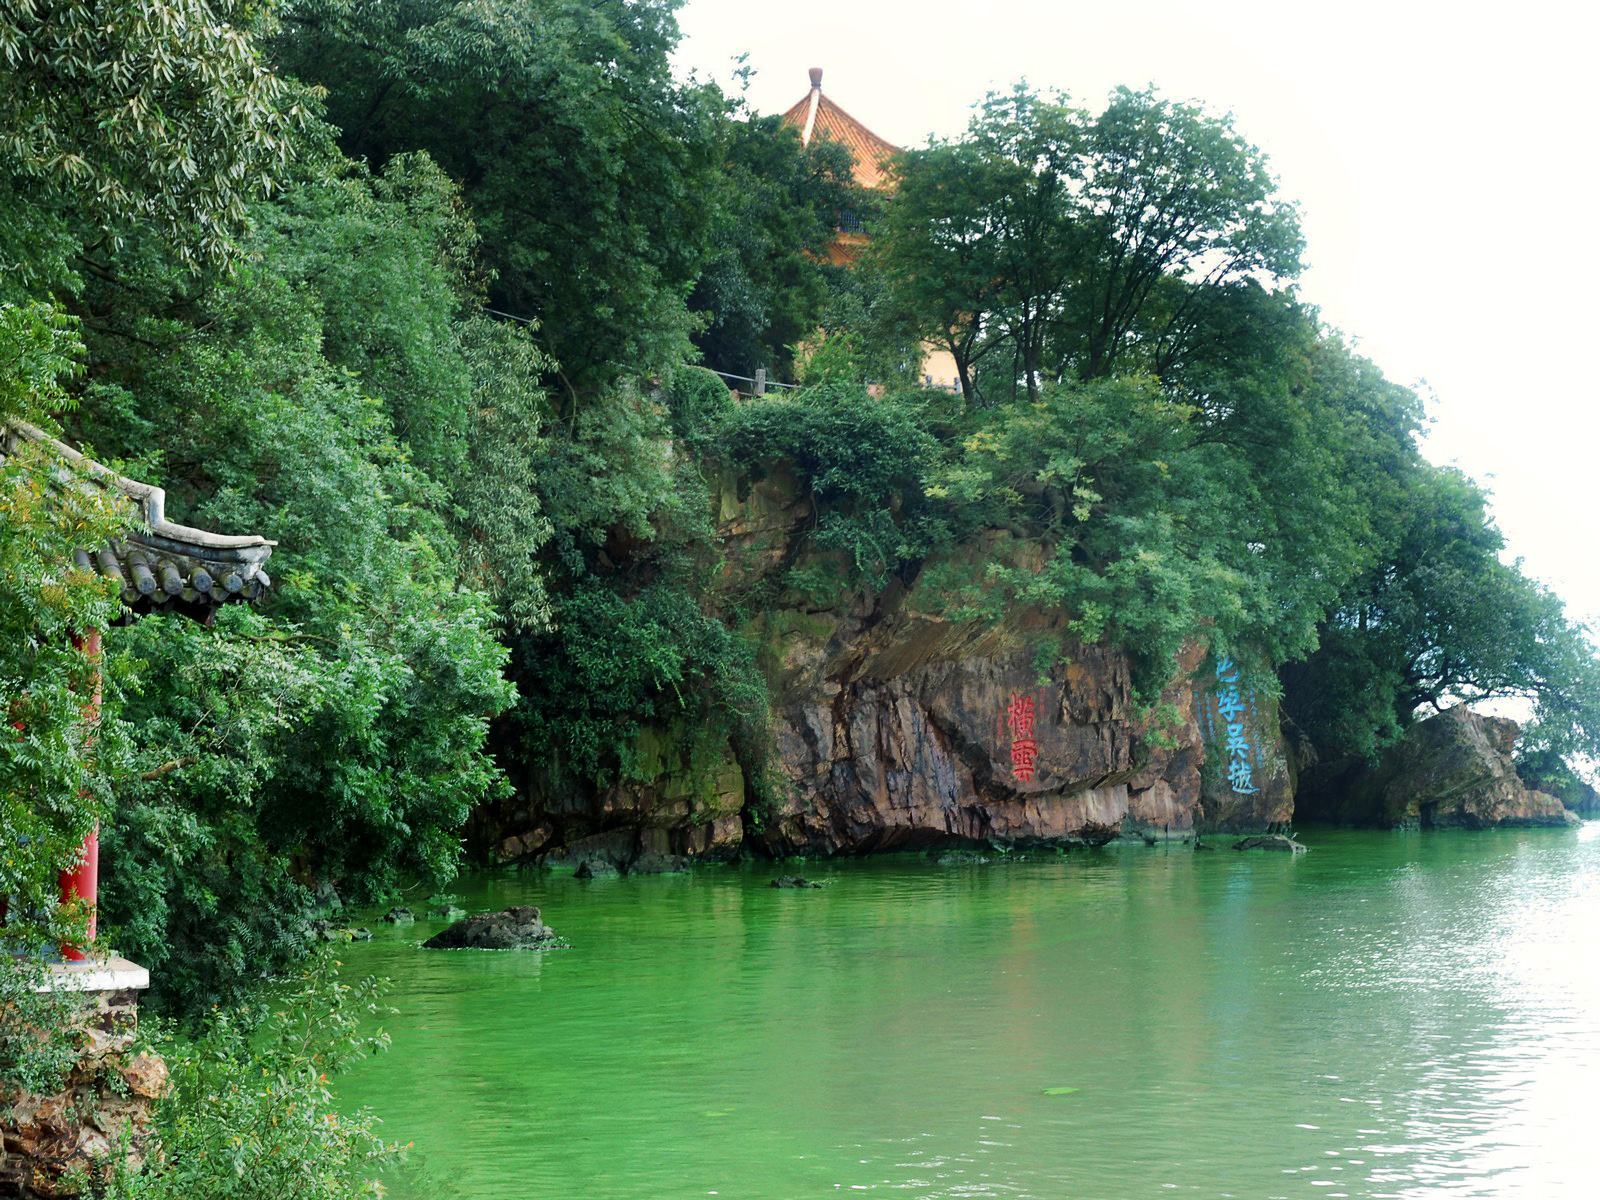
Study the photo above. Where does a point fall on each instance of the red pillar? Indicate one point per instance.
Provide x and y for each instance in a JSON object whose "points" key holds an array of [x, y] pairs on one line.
{"points": [[82, 882]]}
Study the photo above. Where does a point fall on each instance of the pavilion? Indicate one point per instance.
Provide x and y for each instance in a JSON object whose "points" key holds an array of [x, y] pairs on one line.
{"points": [[104, 1109], [818, 116]]}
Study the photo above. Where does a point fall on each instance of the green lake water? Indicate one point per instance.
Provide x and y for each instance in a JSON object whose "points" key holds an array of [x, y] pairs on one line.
{"points": [[1400, 1015]]}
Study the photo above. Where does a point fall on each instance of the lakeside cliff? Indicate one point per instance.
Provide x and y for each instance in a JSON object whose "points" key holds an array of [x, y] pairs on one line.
{"points": [[894, 726], [894, 723]]}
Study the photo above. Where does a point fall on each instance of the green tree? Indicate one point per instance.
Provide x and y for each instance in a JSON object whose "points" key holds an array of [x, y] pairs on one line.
{"points": [[933, 249], [1168, 191], [391, 262], [1439, 619], [975, 240], [53, 785], [636, 642], [54, 776], [251, 1113], [131, 112], [586, 162], [1107, 477], [339, 738], [859, 463], [764, 286], [1074, 243]]}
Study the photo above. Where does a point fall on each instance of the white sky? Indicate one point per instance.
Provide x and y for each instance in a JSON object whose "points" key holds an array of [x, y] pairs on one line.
{"points": [[1444, 157]]}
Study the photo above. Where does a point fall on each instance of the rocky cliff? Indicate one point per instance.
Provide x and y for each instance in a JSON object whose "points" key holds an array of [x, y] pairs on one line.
{"points": [[1454, 770], [896, 727]]}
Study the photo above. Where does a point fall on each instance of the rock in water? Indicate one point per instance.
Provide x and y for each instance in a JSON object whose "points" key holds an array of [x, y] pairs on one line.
{"points": [[1269, 841], [794, 881], [1454, 770], [515, 928], [328, 932], [961, 858], [400, 916]]}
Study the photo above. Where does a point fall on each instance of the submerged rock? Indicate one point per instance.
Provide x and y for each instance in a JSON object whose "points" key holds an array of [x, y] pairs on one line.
{"points": [[1270, 841], [657, 864], [629, 852], [1096, 834], [327, 931], [795, 881], [515, 928], [961, 858], [400, 916], [446, 912]]}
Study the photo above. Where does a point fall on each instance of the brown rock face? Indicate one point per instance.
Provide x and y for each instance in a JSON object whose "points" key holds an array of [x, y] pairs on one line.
{"points": [[1453, 770], [895, 727], [898, 730], [63, 1143]]}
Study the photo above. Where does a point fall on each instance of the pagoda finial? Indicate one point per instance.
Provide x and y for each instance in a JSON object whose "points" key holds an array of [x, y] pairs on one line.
{"points": [[816, 78]]}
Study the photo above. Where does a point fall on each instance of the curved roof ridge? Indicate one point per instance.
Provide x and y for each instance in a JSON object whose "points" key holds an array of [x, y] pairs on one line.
{"points": [[157, 561], [818, 115]]}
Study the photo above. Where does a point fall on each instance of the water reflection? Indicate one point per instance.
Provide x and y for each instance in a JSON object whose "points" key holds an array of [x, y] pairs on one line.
{"points": [[1391, 1015]]}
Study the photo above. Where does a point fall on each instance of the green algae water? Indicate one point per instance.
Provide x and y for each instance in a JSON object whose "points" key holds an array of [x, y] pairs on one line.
{"points": [[1390, 1015]]}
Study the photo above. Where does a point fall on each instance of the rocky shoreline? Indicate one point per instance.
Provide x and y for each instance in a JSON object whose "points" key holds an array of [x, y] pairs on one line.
{"points": [[1453, 771], [895, 727], [907, 772]]}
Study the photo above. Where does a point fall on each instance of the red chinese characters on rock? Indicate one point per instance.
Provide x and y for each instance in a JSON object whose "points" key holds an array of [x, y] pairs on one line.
{"points": [[1024, 747]]}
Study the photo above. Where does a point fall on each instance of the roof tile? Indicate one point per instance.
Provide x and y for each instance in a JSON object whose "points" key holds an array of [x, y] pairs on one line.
{"points": [[872, 153]]}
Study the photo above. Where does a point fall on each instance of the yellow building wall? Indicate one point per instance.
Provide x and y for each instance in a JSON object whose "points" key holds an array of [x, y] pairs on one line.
{"points": [[939, 368]]}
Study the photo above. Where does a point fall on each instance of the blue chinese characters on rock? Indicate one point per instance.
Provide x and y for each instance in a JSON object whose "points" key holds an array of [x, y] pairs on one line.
{"points": [[1235, 712]]}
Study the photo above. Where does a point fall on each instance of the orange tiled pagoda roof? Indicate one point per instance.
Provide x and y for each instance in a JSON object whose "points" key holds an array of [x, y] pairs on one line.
{"points": [[816, 116]]}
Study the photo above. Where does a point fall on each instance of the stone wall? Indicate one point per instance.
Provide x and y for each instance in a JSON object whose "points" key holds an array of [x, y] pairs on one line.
{"points": [[55, 1145]]}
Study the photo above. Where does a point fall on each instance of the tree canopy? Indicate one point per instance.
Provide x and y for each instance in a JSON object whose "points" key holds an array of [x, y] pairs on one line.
{"points": [[132, 113], [586, 163], [1078, 245]]}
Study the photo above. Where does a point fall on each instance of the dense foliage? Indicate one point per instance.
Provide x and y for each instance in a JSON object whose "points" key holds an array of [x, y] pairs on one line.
{"points": [[53, 777], [1047, 243], [338, 739], [1261, 481], [635, 639], [251, 1113], [608, 191], [761, 292], [1441, 618], [137, 113]]}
